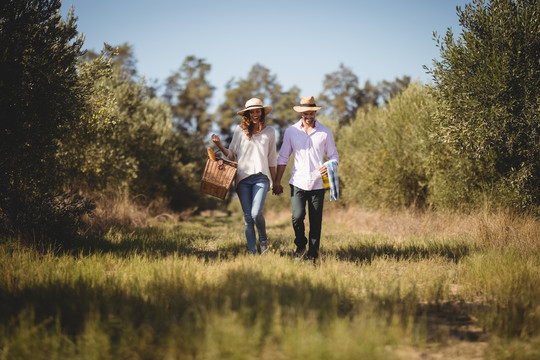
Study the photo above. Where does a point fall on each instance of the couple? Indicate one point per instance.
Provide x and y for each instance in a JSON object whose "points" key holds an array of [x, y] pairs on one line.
{"points": [[254, 146]]}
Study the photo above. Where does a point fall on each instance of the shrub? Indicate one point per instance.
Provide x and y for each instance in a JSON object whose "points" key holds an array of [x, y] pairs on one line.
{"points": [[385, 153]]}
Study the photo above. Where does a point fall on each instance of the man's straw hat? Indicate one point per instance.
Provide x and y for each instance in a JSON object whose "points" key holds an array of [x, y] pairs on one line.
{"points": [[255, 103], [307, 103]]}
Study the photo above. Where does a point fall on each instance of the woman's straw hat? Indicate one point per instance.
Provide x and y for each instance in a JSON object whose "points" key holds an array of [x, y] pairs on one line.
{"points": [[307, 103], [255, 103]]}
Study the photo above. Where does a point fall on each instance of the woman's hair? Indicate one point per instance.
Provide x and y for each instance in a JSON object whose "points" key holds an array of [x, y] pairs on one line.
{"points": [[248, 126]]}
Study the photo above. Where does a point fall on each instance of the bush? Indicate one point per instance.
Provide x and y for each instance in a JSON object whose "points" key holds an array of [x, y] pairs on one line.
{"points": [[385, 153]]}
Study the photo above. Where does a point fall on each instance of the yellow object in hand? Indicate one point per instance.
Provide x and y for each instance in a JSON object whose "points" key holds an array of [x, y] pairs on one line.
{"points": [[211, 154], [326, 181]]}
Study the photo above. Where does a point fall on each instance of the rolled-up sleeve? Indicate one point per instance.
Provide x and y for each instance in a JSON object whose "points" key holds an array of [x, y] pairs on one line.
{"points": [[233, 146], [272, 153], [331, 150]]}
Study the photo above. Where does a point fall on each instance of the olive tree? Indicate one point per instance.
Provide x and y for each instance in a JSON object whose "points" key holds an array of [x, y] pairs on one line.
{"points": [[39, 97], [488, 83]]}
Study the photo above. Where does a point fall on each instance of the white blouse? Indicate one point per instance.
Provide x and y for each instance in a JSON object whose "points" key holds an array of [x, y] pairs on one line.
{"points": [[254, 156]]}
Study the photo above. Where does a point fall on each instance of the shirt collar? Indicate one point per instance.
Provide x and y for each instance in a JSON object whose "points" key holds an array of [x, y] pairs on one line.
{"points": [[301, 125]]}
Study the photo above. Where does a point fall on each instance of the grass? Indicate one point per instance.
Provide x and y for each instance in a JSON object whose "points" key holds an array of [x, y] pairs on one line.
{"points": [[387, 286]]}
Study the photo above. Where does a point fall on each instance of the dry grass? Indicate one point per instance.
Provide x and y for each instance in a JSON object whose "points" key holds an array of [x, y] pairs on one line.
{"points": [[129, 212], [503, 229], [496, 230]]}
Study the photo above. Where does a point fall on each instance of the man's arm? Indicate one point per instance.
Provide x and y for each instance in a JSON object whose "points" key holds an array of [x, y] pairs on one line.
{"points": [[283, 159], [330, 148], [330, 152]]}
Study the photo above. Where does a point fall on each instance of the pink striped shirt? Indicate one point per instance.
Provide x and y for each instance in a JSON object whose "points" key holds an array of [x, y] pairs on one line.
{"points": [[308, 152]]}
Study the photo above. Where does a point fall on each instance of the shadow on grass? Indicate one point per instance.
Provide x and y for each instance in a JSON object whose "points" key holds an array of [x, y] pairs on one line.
{"points": [[164, 303], [158, 247], [207, 242], [451, 319], [201, 237], [453, 251], [178, 309]]}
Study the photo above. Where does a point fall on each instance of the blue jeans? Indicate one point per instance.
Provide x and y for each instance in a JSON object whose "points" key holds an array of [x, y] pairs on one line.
{"points": [[252, 193]]}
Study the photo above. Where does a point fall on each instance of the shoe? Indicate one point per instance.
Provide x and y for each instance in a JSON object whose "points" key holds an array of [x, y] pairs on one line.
{"points": [[264, 247], [309, 257], [300, 253]]}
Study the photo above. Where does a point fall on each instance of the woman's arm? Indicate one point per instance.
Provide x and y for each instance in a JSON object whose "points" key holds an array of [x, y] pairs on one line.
{"points": [[218, 143], [273, 173]]}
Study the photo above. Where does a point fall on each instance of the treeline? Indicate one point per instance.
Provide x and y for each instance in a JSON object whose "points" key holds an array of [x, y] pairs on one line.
{"points": [[75, 125]]}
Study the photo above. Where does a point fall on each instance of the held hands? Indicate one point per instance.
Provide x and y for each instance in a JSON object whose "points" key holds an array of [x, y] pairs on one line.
{"points": [[277, 189]]}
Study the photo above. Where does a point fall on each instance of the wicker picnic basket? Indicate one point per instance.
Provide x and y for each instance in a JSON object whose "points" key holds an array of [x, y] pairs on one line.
{"points": [[218, 177]]}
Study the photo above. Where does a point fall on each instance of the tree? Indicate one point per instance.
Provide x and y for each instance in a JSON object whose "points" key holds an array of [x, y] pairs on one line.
{"points": [[341, 96], [389, 89], [283, 114], [189, 92], [488, 81], [125, 142], [88, 159], [39, 97]]}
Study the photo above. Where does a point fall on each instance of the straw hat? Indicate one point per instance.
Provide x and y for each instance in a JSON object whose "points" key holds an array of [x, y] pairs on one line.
{"points": [[307, 103], [255, 103]]}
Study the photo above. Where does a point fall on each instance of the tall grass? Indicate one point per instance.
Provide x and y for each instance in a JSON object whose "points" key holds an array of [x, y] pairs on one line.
{"points": [[388, 285]]}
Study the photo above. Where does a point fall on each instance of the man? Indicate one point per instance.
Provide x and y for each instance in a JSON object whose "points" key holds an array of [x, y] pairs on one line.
{"points": [[309, 142]]}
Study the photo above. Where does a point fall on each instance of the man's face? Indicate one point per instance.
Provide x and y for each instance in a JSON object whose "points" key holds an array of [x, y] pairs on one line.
{"points": [[308, 118]]}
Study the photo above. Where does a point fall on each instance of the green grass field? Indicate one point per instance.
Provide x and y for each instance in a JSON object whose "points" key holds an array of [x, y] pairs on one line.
{"points": [[387, 286]]}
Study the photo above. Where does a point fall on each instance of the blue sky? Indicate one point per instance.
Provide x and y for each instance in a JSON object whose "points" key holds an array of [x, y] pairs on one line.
{"points": [[299, 41]]}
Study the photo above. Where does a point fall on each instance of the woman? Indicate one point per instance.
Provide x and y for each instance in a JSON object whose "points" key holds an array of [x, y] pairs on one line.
{"points": [[254, 147]]}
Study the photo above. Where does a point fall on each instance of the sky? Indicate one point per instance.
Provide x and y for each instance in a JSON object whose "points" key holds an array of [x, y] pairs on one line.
{"points": [[298, 41]]}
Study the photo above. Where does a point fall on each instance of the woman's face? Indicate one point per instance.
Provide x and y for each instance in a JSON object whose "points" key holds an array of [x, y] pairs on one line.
{"points": [[255, 115]]}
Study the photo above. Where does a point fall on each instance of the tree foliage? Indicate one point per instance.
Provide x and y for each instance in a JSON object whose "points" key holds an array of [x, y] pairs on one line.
{"points": [[125, 141], [189, 93], [87, 158], [283, 114], [342, 96], [488, 81], [39, 98]]}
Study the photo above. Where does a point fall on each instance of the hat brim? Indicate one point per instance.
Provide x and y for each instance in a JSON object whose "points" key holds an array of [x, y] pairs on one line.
{"points": [[306, 108], [267, 110]]}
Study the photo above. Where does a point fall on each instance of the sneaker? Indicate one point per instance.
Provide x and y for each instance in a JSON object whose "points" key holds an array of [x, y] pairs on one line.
{"points": [[299, 253], [264, 247]]}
